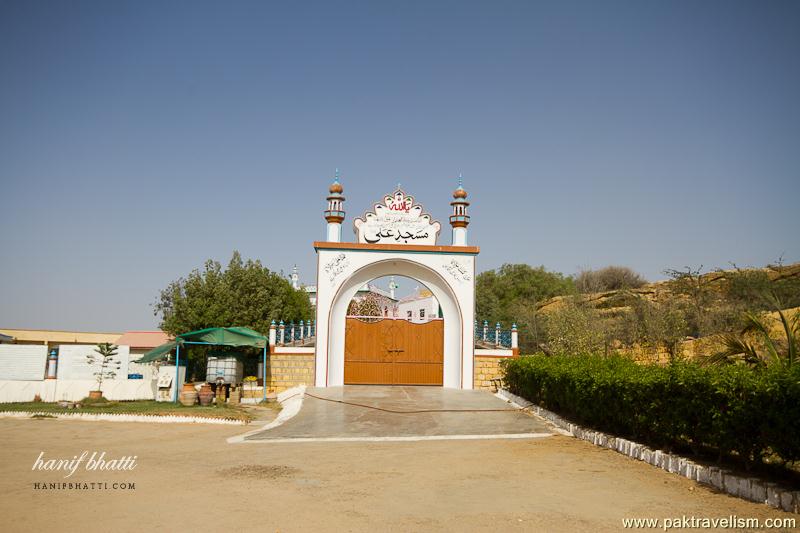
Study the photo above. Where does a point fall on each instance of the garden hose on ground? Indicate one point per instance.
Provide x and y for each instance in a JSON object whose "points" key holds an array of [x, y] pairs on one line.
{"points": [[414, 411]]}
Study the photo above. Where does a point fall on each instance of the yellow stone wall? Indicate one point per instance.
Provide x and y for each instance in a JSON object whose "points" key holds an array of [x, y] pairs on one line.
{"points": [[486, 369], [285, 371], [687, 349]]}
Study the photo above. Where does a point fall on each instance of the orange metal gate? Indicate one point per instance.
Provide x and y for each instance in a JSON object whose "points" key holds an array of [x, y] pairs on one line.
{"points": [[393, 352]]}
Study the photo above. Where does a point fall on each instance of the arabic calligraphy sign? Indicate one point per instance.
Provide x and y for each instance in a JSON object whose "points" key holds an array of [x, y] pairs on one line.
{"points": [[336, 266], [457, 270], [398, 220]]}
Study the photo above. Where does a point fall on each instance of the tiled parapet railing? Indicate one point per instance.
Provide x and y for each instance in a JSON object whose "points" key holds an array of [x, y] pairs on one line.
{"points": [[492, 335], [303, 333], [292, 333]]}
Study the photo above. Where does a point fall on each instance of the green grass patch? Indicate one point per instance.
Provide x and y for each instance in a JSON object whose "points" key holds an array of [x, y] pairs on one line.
{"points": [[137, 407]]}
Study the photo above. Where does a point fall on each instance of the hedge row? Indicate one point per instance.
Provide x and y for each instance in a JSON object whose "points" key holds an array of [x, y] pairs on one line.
{"points": [[729, 410]]}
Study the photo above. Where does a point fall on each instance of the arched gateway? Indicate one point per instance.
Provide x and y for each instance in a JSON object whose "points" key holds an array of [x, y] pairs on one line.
{"points": [[396, 238]]}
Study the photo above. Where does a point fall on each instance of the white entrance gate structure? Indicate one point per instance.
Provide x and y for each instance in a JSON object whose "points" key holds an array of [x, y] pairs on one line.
{"points": [[396, 238]]}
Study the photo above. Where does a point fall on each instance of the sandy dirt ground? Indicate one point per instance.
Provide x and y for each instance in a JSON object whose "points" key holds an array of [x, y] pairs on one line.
{"points": [[188, 478]]}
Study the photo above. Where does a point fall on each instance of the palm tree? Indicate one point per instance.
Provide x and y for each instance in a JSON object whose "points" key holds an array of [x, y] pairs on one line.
{"points": [[767, 352]]}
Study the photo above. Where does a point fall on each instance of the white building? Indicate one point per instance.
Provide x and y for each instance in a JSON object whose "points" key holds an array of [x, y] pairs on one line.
{"points": [[419, 307]]}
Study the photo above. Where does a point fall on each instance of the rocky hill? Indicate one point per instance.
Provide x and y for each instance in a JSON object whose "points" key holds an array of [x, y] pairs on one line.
{"points": [[723, 293], [717, 281]]}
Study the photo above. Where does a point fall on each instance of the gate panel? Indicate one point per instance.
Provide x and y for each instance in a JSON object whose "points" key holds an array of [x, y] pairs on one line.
{"points": [[367, 351], [421, 361], [394, 352]]}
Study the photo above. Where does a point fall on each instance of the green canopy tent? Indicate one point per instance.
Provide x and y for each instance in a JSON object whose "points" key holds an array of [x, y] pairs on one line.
{"points": [[235, 336]]}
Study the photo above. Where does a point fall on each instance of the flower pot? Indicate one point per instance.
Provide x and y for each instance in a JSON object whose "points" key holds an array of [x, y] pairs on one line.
{"points": [[206, 395], [95, 394], [188, 396]]}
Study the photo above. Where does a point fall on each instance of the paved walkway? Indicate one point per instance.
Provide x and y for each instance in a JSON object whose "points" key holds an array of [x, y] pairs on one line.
{"points": [[371, 412]]}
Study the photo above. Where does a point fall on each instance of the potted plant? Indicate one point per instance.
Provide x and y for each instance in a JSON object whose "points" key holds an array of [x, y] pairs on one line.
{"points": [[105, 356]]}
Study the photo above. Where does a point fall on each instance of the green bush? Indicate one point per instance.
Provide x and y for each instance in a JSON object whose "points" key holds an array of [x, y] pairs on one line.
{"points": [[727, 410]]}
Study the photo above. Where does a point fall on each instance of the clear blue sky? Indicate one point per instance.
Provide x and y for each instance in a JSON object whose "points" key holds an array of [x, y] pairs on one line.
{"points": [[138, 139]]}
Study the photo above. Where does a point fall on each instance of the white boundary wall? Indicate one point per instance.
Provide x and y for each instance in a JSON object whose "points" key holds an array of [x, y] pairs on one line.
{"points": [[53, 390], [72, 363], [22, 361], [23, 369]]}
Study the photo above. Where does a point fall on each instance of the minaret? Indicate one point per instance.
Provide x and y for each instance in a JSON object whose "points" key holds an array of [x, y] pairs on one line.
{"points": [[335, 212], [295, 278], [392, 287], [459, 219]]}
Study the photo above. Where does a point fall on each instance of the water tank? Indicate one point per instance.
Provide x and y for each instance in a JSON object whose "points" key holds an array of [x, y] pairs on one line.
{"points": [[230, 369]]}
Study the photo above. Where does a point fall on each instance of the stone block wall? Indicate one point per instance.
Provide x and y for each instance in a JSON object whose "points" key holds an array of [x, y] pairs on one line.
{"points": [[285, 371], [487, 368]]}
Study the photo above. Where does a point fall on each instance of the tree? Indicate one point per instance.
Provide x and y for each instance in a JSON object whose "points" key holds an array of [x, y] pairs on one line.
{"points": [[497, 291], [512, 294], [105, 356], [245, 294], [751, 289], [696, 286], [531, 325], [575, 328], [610, 278], [655, 324]]}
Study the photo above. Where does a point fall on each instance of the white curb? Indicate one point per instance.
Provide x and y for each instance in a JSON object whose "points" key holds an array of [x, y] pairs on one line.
{"points": [[110, 417], [747, 488], [409, 438], [291, 400]]}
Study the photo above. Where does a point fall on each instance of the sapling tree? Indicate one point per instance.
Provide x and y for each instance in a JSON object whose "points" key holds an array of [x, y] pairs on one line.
{"points": [[104, 357]]}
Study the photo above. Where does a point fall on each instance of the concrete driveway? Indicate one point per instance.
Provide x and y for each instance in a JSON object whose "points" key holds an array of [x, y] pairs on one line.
{"points": [[381, 413]]}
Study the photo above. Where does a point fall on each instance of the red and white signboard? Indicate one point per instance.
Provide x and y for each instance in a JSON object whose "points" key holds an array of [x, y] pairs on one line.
{"points": [[398, 220]]}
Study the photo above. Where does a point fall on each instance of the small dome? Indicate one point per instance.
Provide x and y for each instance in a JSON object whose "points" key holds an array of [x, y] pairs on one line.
{"points": [[336, 187], [460, 193]]}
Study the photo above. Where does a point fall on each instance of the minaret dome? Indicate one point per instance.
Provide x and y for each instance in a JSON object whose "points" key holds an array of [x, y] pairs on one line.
{"points": [[459, 220], [335, 212]]}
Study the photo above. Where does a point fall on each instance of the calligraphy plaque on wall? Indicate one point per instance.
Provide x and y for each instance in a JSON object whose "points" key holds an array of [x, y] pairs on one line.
{"points": [[398, 220]]}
